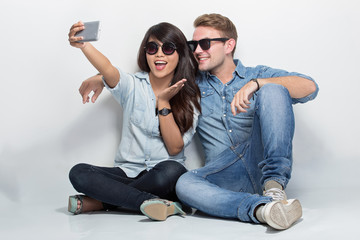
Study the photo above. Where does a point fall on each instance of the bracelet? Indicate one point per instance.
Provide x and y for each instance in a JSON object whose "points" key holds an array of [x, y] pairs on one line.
{"points": [[258, 85]]}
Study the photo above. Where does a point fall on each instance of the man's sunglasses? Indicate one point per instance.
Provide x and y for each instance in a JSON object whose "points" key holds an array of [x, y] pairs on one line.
{"points": [[204, 43], [167, 48]]}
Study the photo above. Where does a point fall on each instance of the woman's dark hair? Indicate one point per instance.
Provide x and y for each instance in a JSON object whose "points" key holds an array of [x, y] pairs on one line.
{"points": [[183, 103]]}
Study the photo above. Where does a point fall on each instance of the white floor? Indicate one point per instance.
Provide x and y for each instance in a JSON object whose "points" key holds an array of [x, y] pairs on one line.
{"points": [[326, 215], [34, 190]]}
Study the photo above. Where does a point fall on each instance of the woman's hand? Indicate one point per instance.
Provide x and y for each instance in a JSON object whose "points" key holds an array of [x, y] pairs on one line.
{"points": [[171, 91], [74, 40]]}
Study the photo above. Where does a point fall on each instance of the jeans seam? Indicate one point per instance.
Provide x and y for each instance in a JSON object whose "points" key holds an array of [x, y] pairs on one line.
{"points": [[221, 169], [239, 157], [250, 175]]}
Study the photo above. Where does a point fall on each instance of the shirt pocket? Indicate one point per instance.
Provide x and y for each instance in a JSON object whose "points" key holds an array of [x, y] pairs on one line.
{"points": [[144, 120], [207, 101], [138, 115]]}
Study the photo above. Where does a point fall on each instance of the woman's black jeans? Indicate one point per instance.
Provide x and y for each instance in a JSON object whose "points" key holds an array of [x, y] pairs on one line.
{"points": [[113, 188]]}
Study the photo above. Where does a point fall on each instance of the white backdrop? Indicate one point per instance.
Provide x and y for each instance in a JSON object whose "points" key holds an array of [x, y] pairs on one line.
{"points": [[45, 129]]}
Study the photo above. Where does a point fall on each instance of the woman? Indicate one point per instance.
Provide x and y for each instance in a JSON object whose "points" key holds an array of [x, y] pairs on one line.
{"points": [[160, 111]]}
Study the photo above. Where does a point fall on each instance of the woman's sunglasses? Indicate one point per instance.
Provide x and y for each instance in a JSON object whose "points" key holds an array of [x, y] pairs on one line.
{"points": [[204, 43], [167, 48]]}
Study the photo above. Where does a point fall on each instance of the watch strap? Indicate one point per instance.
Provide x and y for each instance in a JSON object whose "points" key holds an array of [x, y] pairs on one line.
{"points": [[258, 85]]}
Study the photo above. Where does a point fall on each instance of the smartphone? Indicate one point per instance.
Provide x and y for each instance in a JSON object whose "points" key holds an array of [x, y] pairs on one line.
{"points": [[90, 33]]}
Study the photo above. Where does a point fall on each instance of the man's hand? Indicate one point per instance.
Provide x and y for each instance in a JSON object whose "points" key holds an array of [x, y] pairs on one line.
{"points": [[241, 99], [94, 84]]}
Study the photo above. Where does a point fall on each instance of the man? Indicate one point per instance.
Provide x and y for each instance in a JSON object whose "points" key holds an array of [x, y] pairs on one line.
{"points": [[246, 129]]}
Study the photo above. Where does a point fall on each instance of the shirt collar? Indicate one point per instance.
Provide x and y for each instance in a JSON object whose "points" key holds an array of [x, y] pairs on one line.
{"points": [[240, 70]]}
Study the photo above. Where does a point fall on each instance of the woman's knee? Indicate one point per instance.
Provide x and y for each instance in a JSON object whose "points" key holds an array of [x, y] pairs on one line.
{"points": [[172, 169], [77, 175], [165, 175]]}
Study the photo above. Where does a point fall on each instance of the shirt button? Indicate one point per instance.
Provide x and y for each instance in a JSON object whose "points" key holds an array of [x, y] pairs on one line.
{"points": [[223, 97], [230, 130], [224, 115]]}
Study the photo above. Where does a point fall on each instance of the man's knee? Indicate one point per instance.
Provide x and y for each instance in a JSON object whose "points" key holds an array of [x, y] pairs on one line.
{"points": [[274, 100], [179, 188], [273, 91], [182, 185]]}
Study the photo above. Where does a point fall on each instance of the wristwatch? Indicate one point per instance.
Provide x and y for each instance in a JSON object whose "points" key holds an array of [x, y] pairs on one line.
{"points": [[165, 111]]}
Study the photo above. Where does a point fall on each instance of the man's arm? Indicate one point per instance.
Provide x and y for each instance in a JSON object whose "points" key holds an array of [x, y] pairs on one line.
{"points": [[92, 84], [298, 87]]}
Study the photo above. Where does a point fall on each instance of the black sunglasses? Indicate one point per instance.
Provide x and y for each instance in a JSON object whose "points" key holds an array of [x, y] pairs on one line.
{"points": [[167, 48], [204, 43]]}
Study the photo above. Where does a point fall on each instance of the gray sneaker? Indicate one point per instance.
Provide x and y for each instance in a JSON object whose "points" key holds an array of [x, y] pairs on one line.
{"points": [[276, 194], [282, 214]]}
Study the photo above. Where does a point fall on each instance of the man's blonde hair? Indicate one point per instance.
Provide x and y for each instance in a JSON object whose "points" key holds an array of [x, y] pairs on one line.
{"points": [[220, 23]]}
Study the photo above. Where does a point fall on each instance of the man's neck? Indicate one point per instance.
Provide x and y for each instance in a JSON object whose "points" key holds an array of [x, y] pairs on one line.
{"points": [[225, 71]]}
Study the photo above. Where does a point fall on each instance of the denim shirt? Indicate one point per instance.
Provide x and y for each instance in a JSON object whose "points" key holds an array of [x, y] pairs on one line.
{"points": [[141, 146], [218, 129]]}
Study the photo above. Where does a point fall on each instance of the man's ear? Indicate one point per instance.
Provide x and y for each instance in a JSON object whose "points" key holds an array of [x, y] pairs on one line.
{"points": [[230, 45]]}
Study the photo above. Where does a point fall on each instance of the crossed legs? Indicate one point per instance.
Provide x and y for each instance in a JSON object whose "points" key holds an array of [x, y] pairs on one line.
{"points": [[112, 188]]}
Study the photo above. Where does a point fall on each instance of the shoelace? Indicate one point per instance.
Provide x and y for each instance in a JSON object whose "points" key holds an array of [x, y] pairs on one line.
{"points": [[276, 194]]}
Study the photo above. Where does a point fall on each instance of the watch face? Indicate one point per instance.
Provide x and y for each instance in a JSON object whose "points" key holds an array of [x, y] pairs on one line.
{"points": [[164, 111]]}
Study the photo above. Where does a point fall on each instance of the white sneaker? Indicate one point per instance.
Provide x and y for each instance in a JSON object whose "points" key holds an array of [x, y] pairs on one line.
{"points": [[276, 194], [282, 214]]}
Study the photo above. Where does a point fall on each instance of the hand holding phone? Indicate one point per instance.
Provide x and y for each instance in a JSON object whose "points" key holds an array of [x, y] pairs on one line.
{"points": [[91, 32]]}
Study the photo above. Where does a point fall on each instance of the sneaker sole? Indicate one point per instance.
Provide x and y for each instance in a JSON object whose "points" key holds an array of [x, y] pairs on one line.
{"points": [[281, 214]]}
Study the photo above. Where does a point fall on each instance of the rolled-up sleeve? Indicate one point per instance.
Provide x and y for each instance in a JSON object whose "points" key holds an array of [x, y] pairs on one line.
{"points": [[267, 72], [309, 97], [124, 87]]}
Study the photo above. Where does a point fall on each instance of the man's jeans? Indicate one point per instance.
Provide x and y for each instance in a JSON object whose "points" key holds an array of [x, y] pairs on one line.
{"points": [[229, 185]]}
